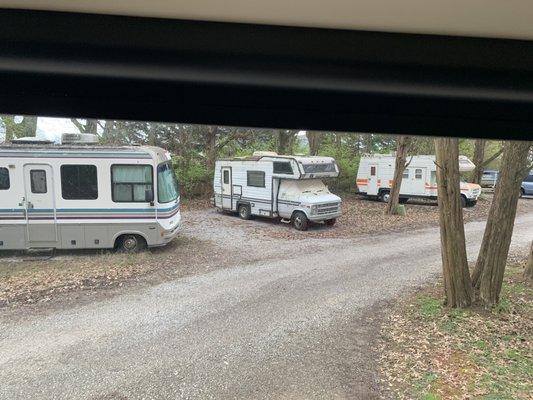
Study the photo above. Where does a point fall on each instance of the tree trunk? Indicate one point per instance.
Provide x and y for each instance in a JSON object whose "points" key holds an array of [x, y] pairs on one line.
{"points": [[315, 140], [399, 168], [479, 156], [457, 284], [285, 141], [528, 273], [490, 265], [210, 145]]}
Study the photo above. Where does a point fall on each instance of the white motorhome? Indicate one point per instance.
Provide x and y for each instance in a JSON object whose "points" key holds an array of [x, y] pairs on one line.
{"points": [[276, 186], [376, 172], [86, 196]]}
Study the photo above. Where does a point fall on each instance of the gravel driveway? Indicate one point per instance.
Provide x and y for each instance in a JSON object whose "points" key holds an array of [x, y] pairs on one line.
{"points": [[297, 319]]}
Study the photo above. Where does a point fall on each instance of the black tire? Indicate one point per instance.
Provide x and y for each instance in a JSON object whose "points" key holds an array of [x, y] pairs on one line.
{"points": [[522, 192], [463, 201], [131, 244], [471, 203], [384, 196], [403, 200], [300, 221], [245, 212], [331, 222]]}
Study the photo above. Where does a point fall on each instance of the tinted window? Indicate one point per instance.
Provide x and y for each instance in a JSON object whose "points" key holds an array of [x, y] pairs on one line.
{"points": [[405, 174], [529, 178], [79, 182], [4, 179], [418, 173], [315, 168], [167, 184], [38, 181], [281, 167], [226, 176], [132, 183], [372, 171], [256, 178]]}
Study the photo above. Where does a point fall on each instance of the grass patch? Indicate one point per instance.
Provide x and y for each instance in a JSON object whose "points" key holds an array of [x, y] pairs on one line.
{"points": [[433, 352]]}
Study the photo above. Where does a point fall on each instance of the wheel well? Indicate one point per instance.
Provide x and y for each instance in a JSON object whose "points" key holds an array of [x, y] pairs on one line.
{"points": [[244, 203], [383, 190], [121, 236], [296, 211]]}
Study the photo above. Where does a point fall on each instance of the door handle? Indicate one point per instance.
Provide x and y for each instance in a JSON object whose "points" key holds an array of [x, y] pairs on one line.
{"points": [[30, 205]]}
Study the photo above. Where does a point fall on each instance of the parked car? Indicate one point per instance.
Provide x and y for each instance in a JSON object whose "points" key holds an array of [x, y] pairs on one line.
{"points": [[527, 185], [489, 178]]}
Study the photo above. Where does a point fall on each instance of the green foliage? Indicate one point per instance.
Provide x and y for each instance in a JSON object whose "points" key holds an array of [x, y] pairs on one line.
{"points": [[17, 126]]}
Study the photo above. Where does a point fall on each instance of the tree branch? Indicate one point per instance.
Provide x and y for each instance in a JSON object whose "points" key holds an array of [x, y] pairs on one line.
{"points": [[492, 158], [78, 124]]}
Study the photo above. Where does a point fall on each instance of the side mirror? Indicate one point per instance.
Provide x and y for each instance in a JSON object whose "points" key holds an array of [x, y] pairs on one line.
{"points": [[149, 196]]}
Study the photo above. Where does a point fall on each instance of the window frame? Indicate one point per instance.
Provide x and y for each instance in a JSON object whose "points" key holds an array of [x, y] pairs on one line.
{"points": [[168, 162], [8, 179], [373, 170], [406, 171], [78, 165], [421, 174], [225, 174], [32, 187], [131, 183], [285, 163], [255, 171]]}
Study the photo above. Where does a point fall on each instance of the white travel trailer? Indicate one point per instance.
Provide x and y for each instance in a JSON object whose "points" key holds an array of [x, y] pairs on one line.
{"points": [[376, 172], [73, 196], [275, 186]]}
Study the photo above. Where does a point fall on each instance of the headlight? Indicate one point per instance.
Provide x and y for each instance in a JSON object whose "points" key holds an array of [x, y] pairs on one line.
{"points": [[314, 210]]}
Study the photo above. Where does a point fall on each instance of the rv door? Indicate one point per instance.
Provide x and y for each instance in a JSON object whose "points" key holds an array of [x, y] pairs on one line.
{"points": [[40, 207], [372, 188], [227, 194]]}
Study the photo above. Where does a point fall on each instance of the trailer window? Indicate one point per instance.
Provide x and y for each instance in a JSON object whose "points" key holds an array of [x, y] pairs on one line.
{"points": [[372, 171], [226, 176], [38, 181], [132, 183], [4, 179], [317, 168], [256, 178], [405, 174], [418, 173], [79, 182], [281, 167]]}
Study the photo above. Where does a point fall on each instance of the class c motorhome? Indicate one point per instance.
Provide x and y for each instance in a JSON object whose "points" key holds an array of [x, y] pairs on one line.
{"points": [[276, 186], [86, 196], [376, 172]]}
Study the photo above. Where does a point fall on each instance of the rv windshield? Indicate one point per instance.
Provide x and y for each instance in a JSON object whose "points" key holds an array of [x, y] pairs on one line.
{"points": [[316, 168], [167, 184]]}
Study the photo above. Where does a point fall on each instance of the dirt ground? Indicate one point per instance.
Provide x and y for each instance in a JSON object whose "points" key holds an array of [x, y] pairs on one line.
{"points": [[203, 246]]}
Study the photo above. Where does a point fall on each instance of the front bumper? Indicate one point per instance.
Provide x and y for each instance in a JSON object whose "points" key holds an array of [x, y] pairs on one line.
{"points": [[324, 217]]}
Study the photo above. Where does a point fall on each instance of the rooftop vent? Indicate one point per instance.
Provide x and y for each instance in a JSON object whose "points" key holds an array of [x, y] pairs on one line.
{"points": [[79, 138]]}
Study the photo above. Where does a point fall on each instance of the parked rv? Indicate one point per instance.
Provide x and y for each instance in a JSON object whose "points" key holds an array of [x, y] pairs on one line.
{"points": [[376, 172], [276, 186], [86, 196]]}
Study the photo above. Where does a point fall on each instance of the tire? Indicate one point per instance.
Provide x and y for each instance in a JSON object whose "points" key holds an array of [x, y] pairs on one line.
{"points": [[403, 200], [131, 244], [300, 221], [384, 196], [463, 201], [331, 222], [245, 211], [471, 203], [522, 192]]}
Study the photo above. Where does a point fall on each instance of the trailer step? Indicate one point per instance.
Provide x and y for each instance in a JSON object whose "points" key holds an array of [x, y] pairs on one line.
{"points": [[41, 254], [286, 221]]}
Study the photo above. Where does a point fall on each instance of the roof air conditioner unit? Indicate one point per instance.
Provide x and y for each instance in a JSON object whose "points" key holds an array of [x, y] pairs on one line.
{"points": [[79, 138], [265, 153]]}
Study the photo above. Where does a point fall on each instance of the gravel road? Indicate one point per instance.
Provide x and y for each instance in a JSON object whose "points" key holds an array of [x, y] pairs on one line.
{"points": [[299, 325]]}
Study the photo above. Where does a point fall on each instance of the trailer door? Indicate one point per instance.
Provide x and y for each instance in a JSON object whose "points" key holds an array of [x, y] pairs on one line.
{"points": [[40, 205], [372, 188], [227, 193]]}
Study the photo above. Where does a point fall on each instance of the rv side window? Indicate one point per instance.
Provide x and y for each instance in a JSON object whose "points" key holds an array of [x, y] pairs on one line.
{"points": [[372, 171], [79, 182], [282, 167], [256, 178], [226, 176], [38, 181], [405, 174], [418, 173], [132, 183], [4, 179]]}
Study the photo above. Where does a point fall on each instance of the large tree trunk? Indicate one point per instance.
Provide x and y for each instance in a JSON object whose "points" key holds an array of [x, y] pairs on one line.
{"points": [[479, 156], [399, 168], [528, 273], [315, 140], [457, 284], [210, 145], [490, 265], [285, 141]]}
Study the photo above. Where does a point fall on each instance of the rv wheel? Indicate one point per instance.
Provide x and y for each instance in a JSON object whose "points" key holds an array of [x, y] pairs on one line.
{"points": [[132, 244], [385, 196], [300, 221], [244, 211], [463, 201]]}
